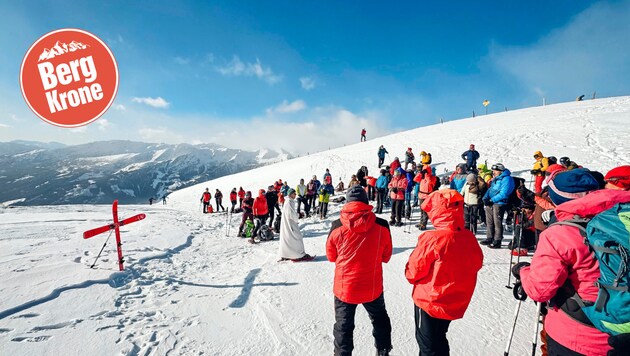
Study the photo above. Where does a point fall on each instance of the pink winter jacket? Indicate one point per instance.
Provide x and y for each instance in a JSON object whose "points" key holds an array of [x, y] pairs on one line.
{"points": [[562, 254]]}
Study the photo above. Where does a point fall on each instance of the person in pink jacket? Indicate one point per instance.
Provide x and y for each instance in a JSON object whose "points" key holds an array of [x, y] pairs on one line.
{"points": [[563, 260]]}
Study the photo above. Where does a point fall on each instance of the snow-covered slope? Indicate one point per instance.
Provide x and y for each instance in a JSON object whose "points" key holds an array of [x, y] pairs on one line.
{"points": [[189, 289]]}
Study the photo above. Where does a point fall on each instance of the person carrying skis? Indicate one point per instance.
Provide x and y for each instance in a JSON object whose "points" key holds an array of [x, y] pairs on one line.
{"points": [[359, 243], [205, 199], [218, 197], [325, 191], [381, 155], [246, 205], [291, 245], [397, 186], [233, 197], [363, 138], [428, 183], [381, 191], [495, 201], [539, 169], [471, 156], [409, 157], [241, 196], [443, 270], [564, 268], [271, 196]]}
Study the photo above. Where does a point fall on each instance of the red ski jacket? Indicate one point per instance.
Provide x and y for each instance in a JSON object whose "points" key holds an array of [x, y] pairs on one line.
{"points": [[443, 267], [233, 196], [241, 194], [260, 204], [359, 243], [205, 197], [400, 184], [393, 166]]}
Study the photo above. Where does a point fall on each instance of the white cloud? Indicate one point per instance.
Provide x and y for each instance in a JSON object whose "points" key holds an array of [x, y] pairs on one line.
{"points": [[308, 83], [589, 53], [181, 60], [160, 134], [154, 102], [285, 107], [120, 107], [236, 67], [102, 124], [80, 129], [4, 126]]}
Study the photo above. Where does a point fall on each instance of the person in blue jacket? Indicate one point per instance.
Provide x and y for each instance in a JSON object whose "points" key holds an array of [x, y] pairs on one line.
{"points": [[471, 156], [381, 155], [409, 192], [495, 201], [381, 190], [458, 179]]}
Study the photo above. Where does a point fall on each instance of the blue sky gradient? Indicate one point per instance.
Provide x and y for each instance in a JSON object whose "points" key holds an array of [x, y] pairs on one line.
{"points": [[306, 76]]}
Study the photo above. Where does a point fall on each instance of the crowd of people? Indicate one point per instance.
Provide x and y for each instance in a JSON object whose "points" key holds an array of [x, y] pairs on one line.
{"points": [[444, 265]]}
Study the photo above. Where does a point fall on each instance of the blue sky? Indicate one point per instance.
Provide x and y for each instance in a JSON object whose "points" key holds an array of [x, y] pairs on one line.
{"points": [[306, 76]]}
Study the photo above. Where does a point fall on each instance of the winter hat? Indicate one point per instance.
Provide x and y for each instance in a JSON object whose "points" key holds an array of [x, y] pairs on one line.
{"points": [[619, 176], [498, 167], [290, 191], [569, 185], [270, 187], [357, 193], [423, 153], [471, 178]]}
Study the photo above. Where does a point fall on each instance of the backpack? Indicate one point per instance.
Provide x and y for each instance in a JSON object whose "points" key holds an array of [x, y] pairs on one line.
{"points": [[265, 233], [607, 235], [438, 183], [276, 224], [513, 199]]}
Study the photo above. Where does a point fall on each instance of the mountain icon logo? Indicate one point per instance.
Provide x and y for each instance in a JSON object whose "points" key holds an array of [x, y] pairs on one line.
{"points": [[61, 48]]}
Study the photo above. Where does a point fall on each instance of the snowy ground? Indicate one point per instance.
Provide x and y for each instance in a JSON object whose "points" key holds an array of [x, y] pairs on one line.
{"points": [[190, 289]]}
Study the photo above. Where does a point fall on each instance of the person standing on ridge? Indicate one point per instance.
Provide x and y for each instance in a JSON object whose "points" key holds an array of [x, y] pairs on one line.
{"points": [[359, 243], [381, 155], [471, 156], [218, 197], [205, 199], [363, 138], [233, 197], [241, 196]]}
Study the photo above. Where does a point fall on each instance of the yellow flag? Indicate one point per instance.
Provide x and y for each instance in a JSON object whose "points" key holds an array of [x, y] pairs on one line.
{"points": [[486, 102]]}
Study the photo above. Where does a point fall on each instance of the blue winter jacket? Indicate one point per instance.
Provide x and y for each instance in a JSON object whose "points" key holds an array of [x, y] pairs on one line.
{"points": [[410, 182], [500, 188], [317, 185], [471, 157], [458, 182], [382, 152], [326, 188], [382, 182]]}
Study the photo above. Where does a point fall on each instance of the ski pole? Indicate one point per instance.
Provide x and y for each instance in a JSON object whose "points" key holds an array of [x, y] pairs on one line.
{"points": [[514, 242], [535, 339], [531, 178], [507, 347], [99, 254]]}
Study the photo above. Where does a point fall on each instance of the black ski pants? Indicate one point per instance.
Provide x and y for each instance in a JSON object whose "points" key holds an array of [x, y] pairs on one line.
{"points": [[344, 325], [205, 206], [301, 200], [424, 218], [470, 217], [233, 205], [263, 220], [323, 209], [310, 200], [431, 334], [397, 210], [219, 204], [380, 199], [380, 161], [271, 213]]}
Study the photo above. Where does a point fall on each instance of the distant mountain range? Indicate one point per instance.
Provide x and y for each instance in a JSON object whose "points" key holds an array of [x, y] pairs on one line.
{"points": [[36, 173]]}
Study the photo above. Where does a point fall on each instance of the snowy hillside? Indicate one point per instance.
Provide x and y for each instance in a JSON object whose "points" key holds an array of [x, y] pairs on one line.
{"points": [[34, 173], [189, 289]]}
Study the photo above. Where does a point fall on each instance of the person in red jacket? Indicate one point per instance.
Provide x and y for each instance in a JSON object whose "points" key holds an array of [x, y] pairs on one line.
{"points": [[205, 199], [359, 243], [241, 196], [394, 165], [397, 187], [427, 182], [247, 206], [233, 197], [443, 270], [260, 210]]}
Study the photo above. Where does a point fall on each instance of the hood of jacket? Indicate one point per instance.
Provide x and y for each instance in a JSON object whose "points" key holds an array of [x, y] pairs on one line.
{"points": [[357, 217], [445, 208]]}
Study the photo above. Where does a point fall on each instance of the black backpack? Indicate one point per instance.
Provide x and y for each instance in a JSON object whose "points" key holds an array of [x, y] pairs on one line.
{"points": [[265, 233], [513, 199], [276, 224]]}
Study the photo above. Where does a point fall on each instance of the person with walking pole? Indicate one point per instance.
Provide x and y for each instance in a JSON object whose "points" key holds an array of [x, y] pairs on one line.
{"points": [[443, 270]]}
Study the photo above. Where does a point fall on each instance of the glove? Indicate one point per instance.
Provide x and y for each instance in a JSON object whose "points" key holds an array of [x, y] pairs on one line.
{"points": [[518, 292], [487, 202], [534, 172], [546, 216], [516, 269], [620, 344]]}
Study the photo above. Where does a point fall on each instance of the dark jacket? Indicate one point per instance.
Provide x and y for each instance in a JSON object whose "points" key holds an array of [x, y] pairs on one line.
{"points": [[471, 157]]}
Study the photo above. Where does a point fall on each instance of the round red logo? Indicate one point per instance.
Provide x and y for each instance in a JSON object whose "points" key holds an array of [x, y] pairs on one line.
{"points": [[69, 77]]}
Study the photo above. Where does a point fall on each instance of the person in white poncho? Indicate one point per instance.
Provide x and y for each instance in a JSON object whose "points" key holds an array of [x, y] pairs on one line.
{"points": [[291, 244]]}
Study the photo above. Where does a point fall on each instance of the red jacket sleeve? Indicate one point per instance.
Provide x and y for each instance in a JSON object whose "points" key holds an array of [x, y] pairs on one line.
{"points": [[547, 272], [387, 251], [421, 259], [331, 248]]}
